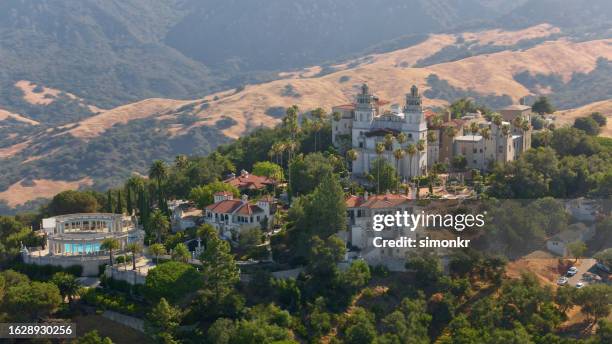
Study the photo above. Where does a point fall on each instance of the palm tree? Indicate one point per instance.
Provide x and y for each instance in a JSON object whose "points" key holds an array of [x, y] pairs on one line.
{"points": [[420, 146], [181, 253], [133, 186], [157, 250], [450, 132], [380, 148], [436, 122], [159, 224], [110, 245], [181, 161], [401, 139], [351, 155], [411, 151], [486, 135], [505, 130], [319, 115], [474, 129], [497, 120], [134, 248], [388, 141], [431, 136], [546, 136], [67, 284], [398, 154], [159, 172]]}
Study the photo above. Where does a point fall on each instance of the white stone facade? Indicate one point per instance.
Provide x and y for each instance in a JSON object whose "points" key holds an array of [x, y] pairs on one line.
{"points": [[364, 125]]}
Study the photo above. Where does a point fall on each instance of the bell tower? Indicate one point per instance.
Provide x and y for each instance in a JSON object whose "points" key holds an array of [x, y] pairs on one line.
{"points": [[413, 100], [365, 106]]}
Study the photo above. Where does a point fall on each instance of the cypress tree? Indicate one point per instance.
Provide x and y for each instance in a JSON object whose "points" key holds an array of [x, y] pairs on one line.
{"points": [[119, 209], [109, 202], [128, 198]]}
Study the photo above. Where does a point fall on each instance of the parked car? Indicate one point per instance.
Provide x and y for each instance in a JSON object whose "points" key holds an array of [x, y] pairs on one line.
{"points": [[603, 268], [562, 280], [572, 271], [579, 285]]}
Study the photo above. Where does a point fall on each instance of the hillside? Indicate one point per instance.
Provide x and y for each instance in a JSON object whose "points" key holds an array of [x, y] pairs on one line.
{"points": [[567, 117], [108, 145]]}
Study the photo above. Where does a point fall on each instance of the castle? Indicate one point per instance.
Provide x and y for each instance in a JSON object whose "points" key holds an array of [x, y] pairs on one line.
{"points": [[364, 125], [411, 140]]}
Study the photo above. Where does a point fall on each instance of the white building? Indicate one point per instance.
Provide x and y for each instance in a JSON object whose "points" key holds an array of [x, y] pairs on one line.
{"points": [[360, 213], [184, 215], [232, 216], [76, 239], [363, 125]]}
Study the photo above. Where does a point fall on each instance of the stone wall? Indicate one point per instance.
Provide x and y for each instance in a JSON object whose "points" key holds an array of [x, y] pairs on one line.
{"points": [[129, 276], [91, 265]]}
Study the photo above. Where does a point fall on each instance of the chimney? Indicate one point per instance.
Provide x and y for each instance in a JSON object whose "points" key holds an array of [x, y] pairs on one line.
{"points": [[245, 198], [365, 196], [447, 116]]}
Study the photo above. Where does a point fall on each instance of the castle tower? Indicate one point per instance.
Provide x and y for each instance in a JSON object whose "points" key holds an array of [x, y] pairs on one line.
{"points": [[365, 107], [414, 103]]}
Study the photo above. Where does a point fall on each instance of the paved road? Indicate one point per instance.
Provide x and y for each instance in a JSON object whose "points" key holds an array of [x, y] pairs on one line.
{"points": [[585, 265]]}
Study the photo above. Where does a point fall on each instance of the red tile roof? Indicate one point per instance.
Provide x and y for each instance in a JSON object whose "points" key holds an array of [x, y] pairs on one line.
{"points": [[250, 181], [225, 206], [429, 113], [377, 201], [231, 206]]}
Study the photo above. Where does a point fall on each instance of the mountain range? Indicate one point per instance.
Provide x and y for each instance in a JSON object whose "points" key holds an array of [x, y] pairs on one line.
{"points": [[92, 91]]}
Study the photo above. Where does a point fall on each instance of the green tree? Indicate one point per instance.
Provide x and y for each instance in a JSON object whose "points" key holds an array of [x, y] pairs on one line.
{"points": [[109, 202], [134, 248], [588, 125], [218, 266], [577, 249], [172, 280], [542, 106], [157, 250], [599, 118], [204, 195], [307, 172], [268, 169], [110, 245], [67, 284], [380, 149], [119, 204], [162, 322], [159, 224], [385, 174], [92, 337], [181, 253], [360, 327], [30, 301], [71, 202], [595, 301]]}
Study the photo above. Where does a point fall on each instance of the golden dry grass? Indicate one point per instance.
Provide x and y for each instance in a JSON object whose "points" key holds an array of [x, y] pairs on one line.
{"points": [[95, 125], [4, 115], [18, 194], [499, 37], [567, 117], [388, 74]]}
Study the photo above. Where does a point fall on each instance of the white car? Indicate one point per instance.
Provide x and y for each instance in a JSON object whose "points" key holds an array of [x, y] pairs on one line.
{"points": [[572, 271], [579, 285], [562, 280]]}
